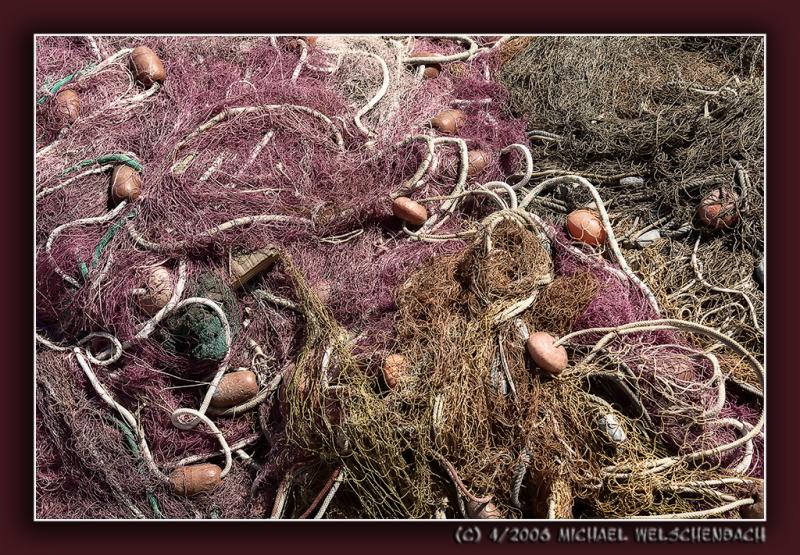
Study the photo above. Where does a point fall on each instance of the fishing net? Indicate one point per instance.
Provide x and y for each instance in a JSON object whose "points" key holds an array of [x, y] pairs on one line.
{"points": [[256, 246], [685, 115]]}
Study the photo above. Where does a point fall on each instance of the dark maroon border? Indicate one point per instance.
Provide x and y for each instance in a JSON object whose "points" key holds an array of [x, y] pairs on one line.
{"points": [[20, 21]]}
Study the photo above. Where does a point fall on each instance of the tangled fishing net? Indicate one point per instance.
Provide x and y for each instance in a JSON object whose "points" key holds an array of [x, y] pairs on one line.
{"points": [[304, 277]]}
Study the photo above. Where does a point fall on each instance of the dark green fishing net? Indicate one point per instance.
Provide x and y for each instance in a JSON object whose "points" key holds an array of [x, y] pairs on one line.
{"points": [[197, 331]]}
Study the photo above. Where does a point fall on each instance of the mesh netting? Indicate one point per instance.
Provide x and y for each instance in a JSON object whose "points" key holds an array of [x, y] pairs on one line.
{"points": [[390, 365]]}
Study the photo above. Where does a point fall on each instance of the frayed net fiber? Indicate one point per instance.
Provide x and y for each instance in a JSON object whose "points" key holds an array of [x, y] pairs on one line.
{"points": [[296, 277]]}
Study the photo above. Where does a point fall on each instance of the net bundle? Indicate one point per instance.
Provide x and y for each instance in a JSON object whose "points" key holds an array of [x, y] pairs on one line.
{"points": [[239, 227]]}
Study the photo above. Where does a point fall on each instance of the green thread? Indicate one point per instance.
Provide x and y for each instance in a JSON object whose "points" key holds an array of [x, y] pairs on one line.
{"points": [[114, 158], [127, 435], [130, 440], [104, 241], [197, 332], [54, 89], [154, 505], [120, 158], [109, 235], [63, 81]]}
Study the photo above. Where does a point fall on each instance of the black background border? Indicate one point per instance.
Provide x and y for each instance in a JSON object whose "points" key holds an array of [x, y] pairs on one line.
{"points": [[21, 20]]}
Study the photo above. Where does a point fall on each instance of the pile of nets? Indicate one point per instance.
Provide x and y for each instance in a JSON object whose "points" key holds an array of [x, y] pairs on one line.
{"points": [[685, 117], [295, 278]]}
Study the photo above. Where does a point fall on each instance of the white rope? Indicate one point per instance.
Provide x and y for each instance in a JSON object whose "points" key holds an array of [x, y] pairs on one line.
{"points": [[257, 149], [416, 181], [697, 264], [719, 482], [449, 205], [229, 113], [103, 65], [95, 48], [379, 94], [472, 48], [324, 506], [303, 55], [178, 414], [655, 465], [332, 68], [223, 364], [612, 241], [212, 168], [252, 403], [148, 327], [44, 192], [749, 450], [238, 222], [122, 102], [198, 417], [281, 496], [116, 353], [526, 153], [132, 101], [698, 514], [714, 410], [235, 447], [125, 413], [83, 221], [512, 195]]}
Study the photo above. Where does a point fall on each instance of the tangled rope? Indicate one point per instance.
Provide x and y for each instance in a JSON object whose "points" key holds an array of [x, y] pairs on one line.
{"points": [[295, 348]]}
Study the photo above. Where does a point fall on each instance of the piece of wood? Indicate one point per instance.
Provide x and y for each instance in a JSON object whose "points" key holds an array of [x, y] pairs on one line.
{"points": [[245, 267]]}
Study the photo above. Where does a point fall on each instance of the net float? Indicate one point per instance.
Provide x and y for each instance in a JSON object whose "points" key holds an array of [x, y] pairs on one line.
{"points": [[409, 211], [311, 40], [68, 105], [234, 389], [395, 370], [449, 121], [631, 181], [477, 160], [548, 357], [126, 184], [759, 272], [586, 227], [648, 238], [609, 425], [158, 290], [431, 71], [323, 289], [483, 510], [190, 480], [147, 66], [756, 510], [681, 369], [717, 210]]}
